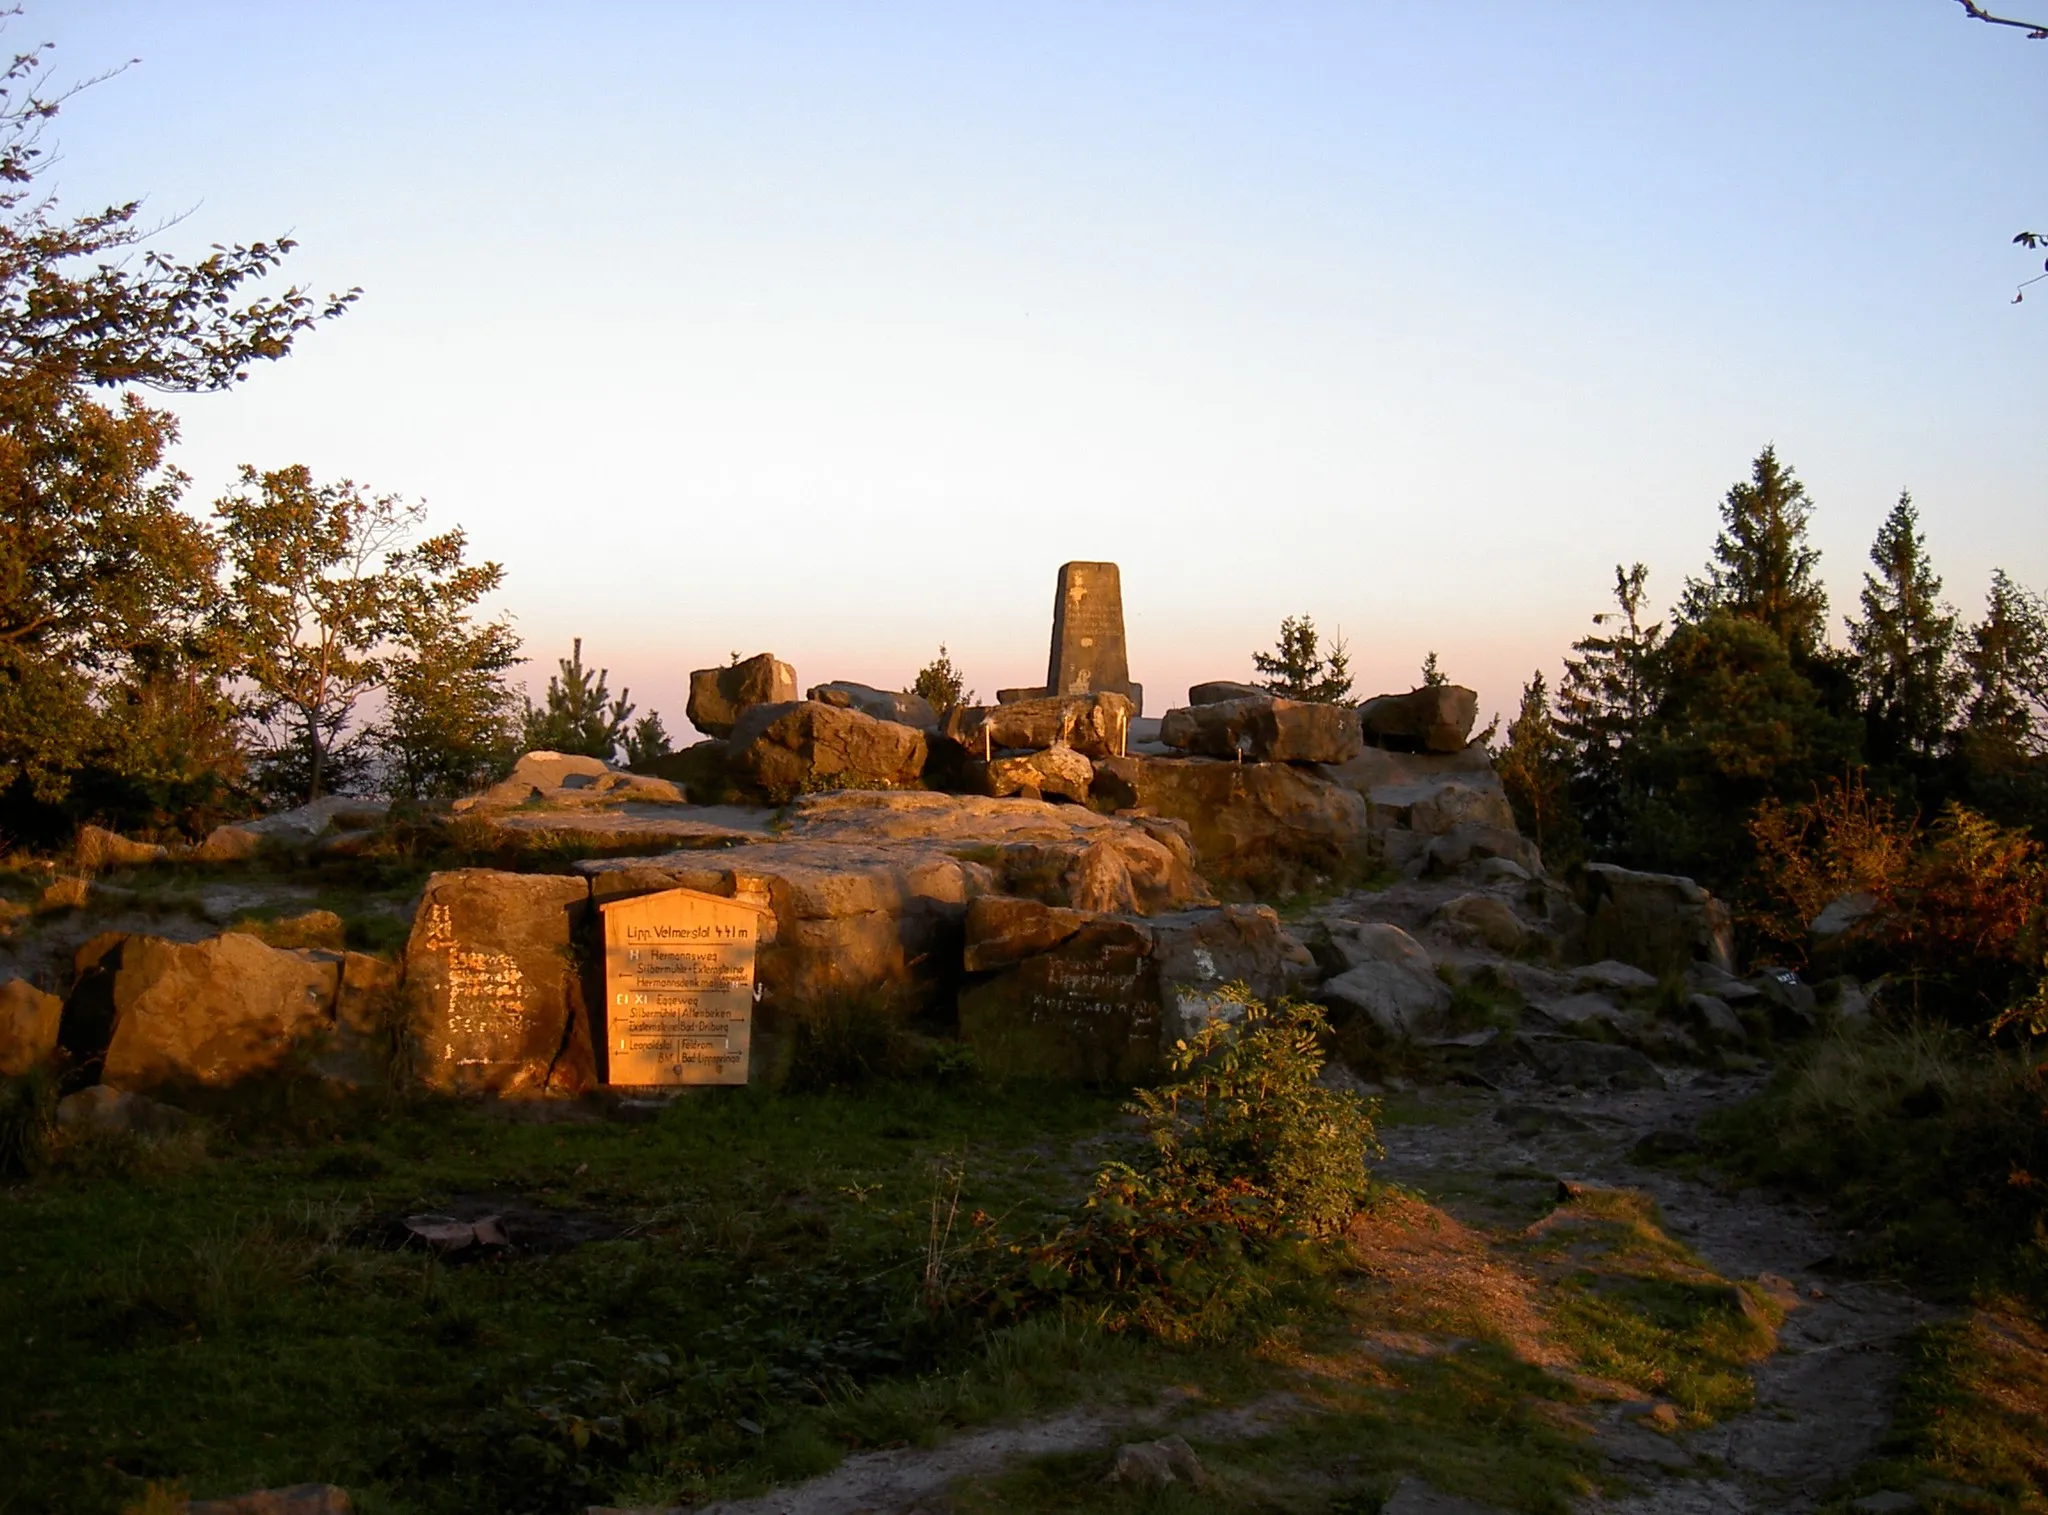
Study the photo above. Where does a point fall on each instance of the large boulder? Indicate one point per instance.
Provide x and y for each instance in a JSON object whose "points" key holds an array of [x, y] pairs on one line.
{"points": [[1217, 691], [1436, 718], [28, 1026], [494, 990], [1095, 724], [1660, 922], [97, 848], [788, 749], [1383, 986], [1053, 773], [1469, 845], [1075, 994], [570, 780], [301, 829], [720, 696], [1268, 827], [1264, 729], [882, 704], [216, 1012]]}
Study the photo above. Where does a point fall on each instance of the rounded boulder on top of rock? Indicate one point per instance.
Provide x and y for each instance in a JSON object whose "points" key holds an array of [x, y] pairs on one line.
{"points": [[1216, 691], [720, 696], [1097, 725], [1437, 718], [1262, 728], [1053, 773], [1661, 922], [1483, 918], [787, 749]]}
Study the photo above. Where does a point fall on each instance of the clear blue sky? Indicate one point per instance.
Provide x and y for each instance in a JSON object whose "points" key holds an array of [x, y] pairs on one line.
{"points": [[834, 329]]}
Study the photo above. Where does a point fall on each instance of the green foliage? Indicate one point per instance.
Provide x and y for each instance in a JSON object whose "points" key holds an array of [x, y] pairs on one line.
{"points": [[850, 1041], [1299, 669], [647, 742], [1249, 1154], [1610, 689], [2007, 657], [942, 684], [106, 673], [449, 710], [1764, 566], [1904, 645], [1535, 767], [579, 714], [1433, 677]]}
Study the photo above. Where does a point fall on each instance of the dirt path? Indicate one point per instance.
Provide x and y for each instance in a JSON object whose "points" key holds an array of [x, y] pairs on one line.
{"points": [[1823, 1401]]}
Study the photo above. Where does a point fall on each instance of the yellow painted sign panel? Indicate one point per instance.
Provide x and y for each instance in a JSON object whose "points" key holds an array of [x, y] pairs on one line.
{"points": [[679, 988]]}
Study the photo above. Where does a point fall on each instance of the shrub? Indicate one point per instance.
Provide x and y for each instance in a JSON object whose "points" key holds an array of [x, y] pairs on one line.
{"points": [[1249, 1154]]}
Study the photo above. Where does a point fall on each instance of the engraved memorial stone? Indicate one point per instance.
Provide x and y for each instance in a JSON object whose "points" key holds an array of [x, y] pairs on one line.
{"points": [[1088, 653], [679, 988]]}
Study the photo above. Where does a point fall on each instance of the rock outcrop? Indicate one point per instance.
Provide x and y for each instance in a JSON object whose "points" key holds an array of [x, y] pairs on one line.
{"points": [[1263, 729], [28, 1027], [1062, 993], [1660, 922], [1053, 773], [882, 704], [325, 824], [570, 780], [1216, 691], [788, 749], [98, 848], [216, 1012], [492, 978], [1095, 724], [1270, 827], [1436, 718], [720, 696]]}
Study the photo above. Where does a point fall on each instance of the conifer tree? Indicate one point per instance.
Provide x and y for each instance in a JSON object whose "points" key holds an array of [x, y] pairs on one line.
{"points": [[1904, 646], [941, 685], [647, 741], [1433, 677], [1763, 568], [579, 714], [1299, 669], [1606, 698], [2007, 655], [1535, 767]]}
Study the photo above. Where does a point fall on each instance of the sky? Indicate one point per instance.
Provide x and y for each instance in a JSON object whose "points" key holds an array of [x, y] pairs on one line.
{"points": [[833, 330]]}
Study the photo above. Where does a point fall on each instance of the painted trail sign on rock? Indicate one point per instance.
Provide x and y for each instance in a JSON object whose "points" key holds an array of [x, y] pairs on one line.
{"points": [[679, 988]]}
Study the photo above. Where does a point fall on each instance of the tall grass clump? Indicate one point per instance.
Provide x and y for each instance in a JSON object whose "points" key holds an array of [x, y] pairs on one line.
{"points": [[28, 1123]]}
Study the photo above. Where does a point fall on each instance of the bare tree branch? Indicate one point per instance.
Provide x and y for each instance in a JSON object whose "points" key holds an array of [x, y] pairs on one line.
{"points": [[2035, 30]]}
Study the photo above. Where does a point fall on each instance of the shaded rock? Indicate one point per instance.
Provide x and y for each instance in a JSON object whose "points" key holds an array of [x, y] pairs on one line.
{"points": [[881, 704], [1841, 917], [1617, 978], [1660, 922], [1021, 693], [1435, 807], [214, 1012], [1789, 1001], [98, 848], [1095, 724], [367, 1027], [787, 749], [1264, 729], [1155, 1464], [570, 779], [1502, 870], [1434, 719], [1579, 1012], [295, 830], [1848, 1002], [1003, 930], [1268, 826], [28, 1026], [1386, 1002], [1486, 919], [298, 1499], [101, 1108], [720, 696], [1087, 1009], [1217, 691], [1338, 944], [496, 996], [1201, 951], [1470, 843], [1053, 772], [1581, 1064], [1712, 978]]}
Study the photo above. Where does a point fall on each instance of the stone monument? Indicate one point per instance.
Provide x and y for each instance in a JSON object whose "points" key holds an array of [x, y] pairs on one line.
{"points": [[679, 988], [1088, 653]]}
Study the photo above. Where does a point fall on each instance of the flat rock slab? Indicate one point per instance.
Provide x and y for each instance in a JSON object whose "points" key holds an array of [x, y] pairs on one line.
{"points": [[638, 825]]}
